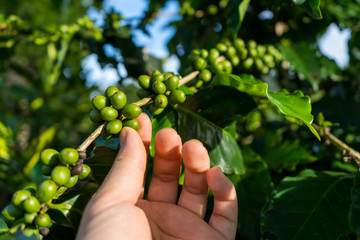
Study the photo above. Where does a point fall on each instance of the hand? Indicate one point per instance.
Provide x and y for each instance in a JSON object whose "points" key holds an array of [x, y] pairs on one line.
{"points": [[117, 211]]}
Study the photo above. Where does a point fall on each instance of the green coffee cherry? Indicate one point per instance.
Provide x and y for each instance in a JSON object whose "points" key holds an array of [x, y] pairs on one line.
{"points": [[46, 190], [198, 83], [69, 156], [221, 47], [114, 127], [60, 174], [227, 66], [259, 64], [205, 75], [49, 157], [29, 217], [172, 83], [109, 113], [144, 81], [131, 111], [248, 63], [154, 110], [212, 9], [19, 196], [156, 72], [133, 123], [177, 96], [118, 100], [85, 172], [95, 116], [231, 51], [143, 93], [105, 135], [253, 52], [158, 78], [200, 63], [252, 44], [235, 61], [99, 102], [43, 220], [168, 75], [195, 54], [213, 55], [46, 170], [244, 53], [264, 70], [269, 60], [31, 204], [161, 101], [10, 212], [72, 181], [204, 53], [110, 91], [159, 87], [239, 44], [261, 50]]}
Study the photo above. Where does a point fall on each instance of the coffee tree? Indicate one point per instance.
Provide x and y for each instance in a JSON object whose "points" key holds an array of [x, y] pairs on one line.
{"points": [[251, 80]]}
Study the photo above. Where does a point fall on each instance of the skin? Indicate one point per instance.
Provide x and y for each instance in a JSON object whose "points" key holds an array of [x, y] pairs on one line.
{"points": [[118, 210]]}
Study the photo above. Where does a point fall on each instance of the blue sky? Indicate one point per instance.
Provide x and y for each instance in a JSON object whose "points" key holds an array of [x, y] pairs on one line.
{"points": [[333, 44]]}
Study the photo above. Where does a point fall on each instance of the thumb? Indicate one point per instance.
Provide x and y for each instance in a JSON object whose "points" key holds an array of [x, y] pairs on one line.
{"points": [[125, 178]]}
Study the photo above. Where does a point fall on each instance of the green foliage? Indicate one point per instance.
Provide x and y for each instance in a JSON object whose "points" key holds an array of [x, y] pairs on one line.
{"points": [[247, 105]]}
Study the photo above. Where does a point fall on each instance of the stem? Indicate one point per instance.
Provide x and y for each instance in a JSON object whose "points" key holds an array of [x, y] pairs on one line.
{"points": [[140, 103], [350, 152]]}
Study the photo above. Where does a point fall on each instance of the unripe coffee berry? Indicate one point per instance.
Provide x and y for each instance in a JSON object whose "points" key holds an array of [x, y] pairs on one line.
{"points": [[85, 172], [221, 47], [205, 75], [144, 81], [133, 123], [235, 61], [159, 87], [252, 44], [248, 63], [154, 110], [10, 212], [29, 217], [161, 101], [99, 102], [109, 113], [19, 196], [72, 181], [31, 204], [204, 53], [118, 100], [131, 111], [110, 91], [159, 77], [177, 96], [200, 63], [60, 174], [46, 190], [95, 116], [114, 127], [212, 9], [168, 75], [239, 44], [49, 157], [231, 51], [213, 55], [69, 156], [172, 83], [43, 220]]}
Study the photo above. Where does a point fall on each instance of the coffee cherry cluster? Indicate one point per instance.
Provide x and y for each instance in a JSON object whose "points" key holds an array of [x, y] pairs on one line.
{"points": [[29, 205], [112, 109], [162, 88], [227, 56], [210, 10]]}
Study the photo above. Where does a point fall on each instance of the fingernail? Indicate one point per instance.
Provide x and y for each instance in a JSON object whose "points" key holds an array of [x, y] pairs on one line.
{"points": [[123, 136]]}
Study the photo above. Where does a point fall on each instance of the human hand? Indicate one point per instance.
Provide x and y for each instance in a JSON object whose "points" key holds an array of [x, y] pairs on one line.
{"points": [[118, 210]]}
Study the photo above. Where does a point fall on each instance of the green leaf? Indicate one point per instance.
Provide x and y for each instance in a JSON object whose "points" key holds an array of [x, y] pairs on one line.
{"points": [[251, 201], [3, 226], [313, 205], [294, 104], [223, 149], [354, 216], [312, 7], [287, 156], [237, 14], [6, 236], [101, 162], [220, 104]]}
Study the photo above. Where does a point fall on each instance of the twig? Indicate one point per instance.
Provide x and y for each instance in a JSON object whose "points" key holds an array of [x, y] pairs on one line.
{"points": [[140, 103], [350, 152]]}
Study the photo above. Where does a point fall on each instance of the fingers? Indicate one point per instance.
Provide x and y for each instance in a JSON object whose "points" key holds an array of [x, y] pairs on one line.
{"points": [[167, 162], [124, 181], [224, 215], [195, 190], [145, 129]]}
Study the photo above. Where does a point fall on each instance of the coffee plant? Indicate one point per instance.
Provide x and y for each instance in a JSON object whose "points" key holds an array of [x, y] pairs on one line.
{"points": [[251, 80]]}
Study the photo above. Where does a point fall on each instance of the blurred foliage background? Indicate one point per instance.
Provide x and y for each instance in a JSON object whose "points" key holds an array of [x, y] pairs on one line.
{"points": [[44, 99]]}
